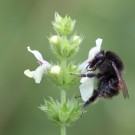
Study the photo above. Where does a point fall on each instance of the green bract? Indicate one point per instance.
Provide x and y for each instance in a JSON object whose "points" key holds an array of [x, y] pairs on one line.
{"points": [[64, 79], [62, 114], [63, 26], [64, 48]]}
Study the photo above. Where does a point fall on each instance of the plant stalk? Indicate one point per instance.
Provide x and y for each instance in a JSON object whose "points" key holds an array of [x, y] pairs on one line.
{"points": [[63, 130], [63, 96]]}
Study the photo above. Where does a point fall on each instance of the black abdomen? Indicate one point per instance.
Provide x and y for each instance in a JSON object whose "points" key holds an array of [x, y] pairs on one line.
{"points": [[108, 87]]}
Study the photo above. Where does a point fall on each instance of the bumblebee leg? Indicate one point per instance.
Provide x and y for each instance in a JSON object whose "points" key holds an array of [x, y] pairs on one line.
{"points": [[93, 68], [88, 75], [91, 99]]}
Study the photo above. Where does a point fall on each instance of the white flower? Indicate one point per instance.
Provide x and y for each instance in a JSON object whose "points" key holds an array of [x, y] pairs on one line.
{"points": [[55, 69], [87, 84], [43, 66]]}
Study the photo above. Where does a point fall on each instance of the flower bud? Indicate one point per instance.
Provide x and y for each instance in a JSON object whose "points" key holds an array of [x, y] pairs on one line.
{"points": [[54, 40], [77, 39], [55, 69]]}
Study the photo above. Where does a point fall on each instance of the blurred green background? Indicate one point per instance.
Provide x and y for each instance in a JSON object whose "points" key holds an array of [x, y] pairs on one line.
{"points": [[28, 22]]}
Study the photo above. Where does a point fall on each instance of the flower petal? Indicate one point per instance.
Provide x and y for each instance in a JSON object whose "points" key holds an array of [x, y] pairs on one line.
{"points": [[95, 49], [37, 54], [29, 73], [83, 66], [37, 74], [86, 88], [99, 42]]}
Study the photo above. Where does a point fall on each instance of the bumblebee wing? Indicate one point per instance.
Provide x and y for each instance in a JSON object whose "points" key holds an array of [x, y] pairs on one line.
{"points": [[122, 84]]}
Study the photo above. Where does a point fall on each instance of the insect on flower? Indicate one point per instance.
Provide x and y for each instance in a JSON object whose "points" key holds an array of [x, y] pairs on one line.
{"points": [[110, 79]]}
